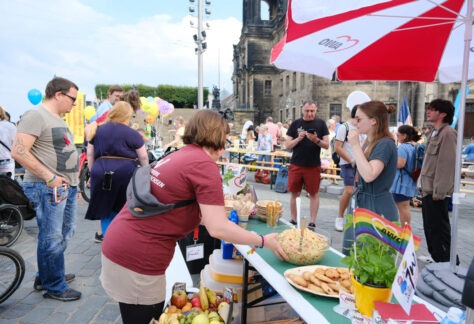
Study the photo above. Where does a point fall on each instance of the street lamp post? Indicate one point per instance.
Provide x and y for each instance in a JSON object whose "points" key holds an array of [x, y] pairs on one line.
{"points": [[199, 39]]}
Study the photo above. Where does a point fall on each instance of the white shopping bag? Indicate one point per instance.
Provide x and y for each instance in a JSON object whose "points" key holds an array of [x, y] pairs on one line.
{"points": [[234, 179]]}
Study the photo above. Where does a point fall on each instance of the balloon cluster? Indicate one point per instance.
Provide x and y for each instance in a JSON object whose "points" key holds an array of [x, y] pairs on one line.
{"points": [[156, 106]]}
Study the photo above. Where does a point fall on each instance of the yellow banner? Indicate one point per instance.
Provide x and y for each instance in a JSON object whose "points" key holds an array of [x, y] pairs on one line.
{"points": [[75, 119]]}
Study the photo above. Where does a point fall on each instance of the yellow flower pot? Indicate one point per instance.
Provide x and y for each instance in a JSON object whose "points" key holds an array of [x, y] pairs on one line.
{"points": [[365, 296]]}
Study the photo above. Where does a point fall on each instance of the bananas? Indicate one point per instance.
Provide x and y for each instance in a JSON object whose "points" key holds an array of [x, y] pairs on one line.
{"points": [[203, 297], [211, 296], [163, 319]]}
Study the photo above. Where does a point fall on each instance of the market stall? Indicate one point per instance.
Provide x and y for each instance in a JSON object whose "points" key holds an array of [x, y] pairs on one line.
{"points": [[310, 307]]}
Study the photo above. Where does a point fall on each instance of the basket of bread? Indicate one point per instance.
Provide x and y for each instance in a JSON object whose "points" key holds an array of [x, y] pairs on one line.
{"points": [[308, 250]]}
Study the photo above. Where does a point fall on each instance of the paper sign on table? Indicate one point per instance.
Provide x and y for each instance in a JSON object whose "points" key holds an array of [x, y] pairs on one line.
{"points": [[404, 284]]}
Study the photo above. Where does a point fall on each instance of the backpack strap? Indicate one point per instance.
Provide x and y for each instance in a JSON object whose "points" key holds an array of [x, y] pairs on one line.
{"points": [[347, 131], [5, 146]]}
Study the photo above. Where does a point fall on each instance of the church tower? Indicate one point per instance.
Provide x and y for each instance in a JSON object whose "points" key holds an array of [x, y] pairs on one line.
{"points": [[253, 73]]}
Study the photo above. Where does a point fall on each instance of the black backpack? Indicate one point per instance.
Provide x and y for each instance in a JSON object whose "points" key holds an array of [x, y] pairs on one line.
{"points": [[12, 193], [335, 157]]}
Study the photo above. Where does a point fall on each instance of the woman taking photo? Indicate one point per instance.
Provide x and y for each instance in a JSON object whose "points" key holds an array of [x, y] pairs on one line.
{"points": [[404, 187], [376, 163], [137, 251]]}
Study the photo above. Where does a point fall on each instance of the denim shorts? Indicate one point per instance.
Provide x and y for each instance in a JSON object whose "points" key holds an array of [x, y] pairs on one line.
{"points": [[400, 198], [348, 174]]}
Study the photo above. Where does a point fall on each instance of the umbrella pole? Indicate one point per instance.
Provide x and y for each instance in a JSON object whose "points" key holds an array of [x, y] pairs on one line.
{"points": [[457, 196]]}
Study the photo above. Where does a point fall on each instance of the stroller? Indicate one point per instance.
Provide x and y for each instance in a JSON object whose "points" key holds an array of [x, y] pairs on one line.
{"points": [[15, 207]]}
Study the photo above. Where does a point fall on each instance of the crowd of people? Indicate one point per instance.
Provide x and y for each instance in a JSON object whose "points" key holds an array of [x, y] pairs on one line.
{"points": [[376, 173]]}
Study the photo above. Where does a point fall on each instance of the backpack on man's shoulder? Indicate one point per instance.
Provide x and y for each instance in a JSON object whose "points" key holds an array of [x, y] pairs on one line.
{"points": [[419, 150], [335, 157]]}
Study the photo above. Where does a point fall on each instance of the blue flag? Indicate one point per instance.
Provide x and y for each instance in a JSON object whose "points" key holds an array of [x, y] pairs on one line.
{"points": [[456, 107], [404, 117]]}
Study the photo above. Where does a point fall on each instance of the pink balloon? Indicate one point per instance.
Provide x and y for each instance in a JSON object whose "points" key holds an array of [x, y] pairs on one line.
{"points": [[164, 106]]}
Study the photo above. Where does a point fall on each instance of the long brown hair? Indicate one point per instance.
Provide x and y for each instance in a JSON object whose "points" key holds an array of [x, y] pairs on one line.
{"points": [[379, 111]]}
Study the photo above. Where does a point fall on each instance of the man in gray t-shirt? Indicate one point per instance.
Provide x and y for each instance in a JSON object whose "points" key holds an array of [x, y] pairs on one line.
{"points": [[44, 146]]}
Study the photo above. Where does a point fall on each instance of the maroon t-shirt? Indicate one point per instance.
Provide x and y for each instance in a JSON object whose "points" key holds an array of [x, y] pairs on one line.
{"points": [[146, 245]]}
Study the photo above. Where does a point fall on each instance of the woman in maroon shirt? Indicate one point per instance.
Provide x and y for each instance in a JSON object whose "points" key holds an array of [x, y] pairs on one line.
{"points": [[137, 251]]}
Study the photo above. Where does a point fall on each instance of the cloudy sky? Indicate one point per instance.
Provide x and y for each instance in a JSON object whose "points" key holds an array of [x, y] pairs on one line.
{"points": [[107, 41]]}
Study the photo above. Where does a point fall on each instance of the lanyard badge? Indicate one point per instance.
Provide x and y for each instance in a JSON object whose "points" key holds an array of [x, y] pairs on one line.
{"points": [[195, 251]]}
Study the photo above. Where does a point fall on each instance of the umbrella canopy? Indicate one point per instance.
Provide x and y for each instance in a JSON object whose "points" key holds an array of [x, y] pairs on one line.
{"points": [[398, 40], [408, 40]]}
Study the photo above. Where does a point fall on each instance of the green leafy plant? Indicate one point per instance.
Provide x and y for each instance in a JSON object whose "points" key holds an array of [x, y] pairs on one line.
{"points": [[228, 175], [373, 263]]}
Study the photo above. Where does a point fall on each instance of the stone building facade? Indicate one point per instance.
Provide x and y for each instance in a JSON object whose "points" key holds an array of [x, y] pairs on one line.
{"points": [[260, 89]]}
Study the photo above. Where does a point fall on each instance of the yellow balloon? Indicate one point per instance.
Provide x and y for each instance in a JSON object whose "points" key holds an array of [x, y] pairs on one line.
{"points": [[147, 106], [153, 109], [143, 101], [89, 111]]}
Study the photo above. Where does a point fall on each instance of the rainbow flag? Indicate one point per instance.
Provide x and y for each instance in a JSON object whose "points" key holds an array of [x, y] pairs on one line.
{"points": [[368, 222]]}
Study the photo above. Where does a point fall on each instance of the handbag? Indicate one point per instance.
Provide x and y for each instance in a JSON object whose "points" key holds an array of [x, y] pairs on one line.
{"points": [[262, 176]]}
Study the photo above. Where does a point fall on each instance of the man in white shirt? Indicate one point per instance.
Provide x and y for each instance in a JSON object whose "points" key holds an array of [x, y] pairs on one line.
{"points": [[347, 165]]}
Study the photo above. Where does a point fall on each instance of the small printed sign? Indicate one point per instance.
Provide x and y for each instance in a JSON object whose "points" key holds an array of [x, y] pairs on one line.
{"points": [[194, 252]]}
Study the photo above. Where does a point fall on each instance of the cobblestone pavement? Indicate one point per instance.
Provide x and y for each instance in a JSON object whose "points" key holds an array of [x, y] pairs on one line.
{"points": [[83, 258]]}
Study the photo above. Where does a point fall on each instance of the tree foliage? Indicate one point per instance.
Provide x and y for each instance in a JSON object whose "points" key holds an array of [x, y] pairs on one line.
{"points": [[179, 96]]}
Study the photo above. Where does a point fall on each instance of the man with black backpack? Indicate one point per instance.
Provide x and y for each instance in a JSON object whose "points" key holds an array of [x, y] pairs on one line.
{"points": [[346, 162]]}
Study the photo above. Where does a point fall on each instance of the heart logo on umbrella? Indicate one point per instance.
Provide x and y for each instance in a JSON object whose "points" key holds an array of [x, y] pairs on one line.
{"points": [[346, 40]]}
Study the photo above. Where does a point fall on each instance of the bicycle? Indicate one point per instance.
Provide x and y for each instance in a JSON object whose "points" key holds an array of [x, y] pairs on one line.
{"points": [[12, 272], [11, 224], [84, 176]]}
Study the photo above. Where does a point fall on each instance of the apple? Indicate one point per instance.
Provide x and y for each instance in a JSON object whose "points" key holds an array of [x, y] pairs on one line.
{"points": [[179, 298], [196, 302]]}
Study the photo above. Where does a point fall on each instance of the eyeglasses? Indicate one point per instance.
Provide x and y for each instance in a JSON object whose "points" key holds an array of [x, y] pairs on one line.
{"points": [[70, 97]]}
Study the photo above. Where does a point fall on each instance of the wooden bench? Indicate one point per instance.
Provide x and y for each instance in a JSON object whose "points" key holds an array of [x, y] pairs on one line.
{"points": [[330, 176], [273, 171]]}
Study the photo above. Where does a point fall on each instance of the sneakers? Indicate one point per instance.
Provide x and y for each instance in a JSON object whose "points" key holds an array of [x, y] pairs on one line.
{"points": [[425, 259], [339, 224], [98, 238], [37, 285], [310, 225], [65, 296]]}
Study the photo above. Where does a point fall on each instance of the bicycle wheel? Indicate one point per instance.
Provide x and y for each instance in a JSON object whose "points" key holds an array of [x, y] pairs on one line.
{"points": [[12, 271], [11, 224], [83, 179]]}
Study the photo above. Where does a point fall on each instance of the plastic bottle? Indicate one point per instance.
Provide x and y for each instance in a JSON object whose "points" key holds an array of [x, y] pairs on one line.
{"points": [[454, 316], [228, 248]]}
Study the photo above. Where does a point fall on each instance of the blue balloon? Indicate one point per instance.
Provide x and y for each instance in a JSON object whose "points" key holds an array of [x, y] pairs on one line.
{"points": [[35, 96]]}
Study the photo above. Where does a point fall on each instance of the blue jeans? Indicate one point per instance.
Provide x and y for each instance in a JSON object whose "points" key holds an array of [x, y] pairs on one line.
{"points": [[56, 220]]}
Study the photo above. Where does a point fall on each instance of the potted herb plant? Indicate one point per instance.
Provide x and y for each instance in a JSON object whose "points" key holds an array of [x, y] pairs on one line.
{"points": [[373, 265]]}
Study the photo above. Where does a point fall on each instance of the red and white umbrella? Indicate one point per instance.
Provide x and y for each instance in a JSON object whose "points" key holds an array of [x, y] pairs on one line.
{"points": [[408, 40], [402, 40]]}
